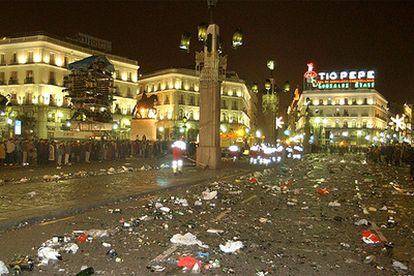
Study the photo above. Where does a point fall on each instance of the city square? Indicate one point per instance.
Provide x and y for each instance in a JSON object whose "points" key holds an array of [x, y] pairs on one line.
{"points": [[206, 137]]}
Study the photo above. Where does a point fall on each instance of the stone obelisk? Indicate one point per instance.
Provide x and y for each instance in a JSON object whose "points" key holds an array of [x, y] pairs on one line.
{"points": [[208, 152]]}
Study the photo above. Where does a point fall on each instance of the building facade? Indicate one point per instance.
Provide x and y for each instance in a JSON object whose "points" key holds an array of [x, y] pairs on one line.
{"points": [[178, 92], [32, 70], [342, 108]]}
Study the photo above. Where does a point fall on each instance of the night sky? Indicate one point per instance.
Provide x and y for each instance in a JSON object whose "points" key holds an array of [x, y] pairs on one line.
{"points": [[336, 35]]}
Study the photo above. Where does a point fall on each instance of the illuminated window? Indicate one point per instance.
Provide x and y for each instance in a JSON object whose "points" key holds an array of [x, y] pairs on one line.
{"points": [[181, 99], [13, 78], [129, 76], [320, 101], [29, 76], [224, 104], [52, 79], [52, 59], [180, 114], [166, 100], [234, 105], [346, 124], [30, 57], [14, 58]]}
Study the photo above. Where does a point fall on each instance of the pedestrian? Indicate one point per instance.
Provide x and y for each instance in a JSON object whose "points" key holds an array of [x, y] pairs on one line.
{"points": [[10, 152], [88, 149], [178, 149], [60, 153], [67, 154], [411, 162], [2, 153], [51, 158]]}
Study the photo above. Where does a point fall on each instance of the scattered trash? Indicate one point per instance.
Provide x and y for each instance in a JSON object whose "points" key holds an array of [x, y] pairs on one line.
{"points": [[252, 180], [157, 268], [370, 238], [114, 211], [323, 191], [86, 271], [187, 239], [71, 248], [231, 246], [399, 265], [3, 269], [47, 254], [201, 254], [112, 253], [21, 263], [215, 231], [207, 195], [189, 263], [334, 204], [369, 259], [362, 222], [165, 209]]}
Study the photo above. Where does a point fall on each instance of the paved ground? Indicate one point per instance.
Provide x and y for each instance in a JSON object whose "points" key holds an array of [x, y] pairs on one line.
{"points": [[44, 192], [286, 225]]}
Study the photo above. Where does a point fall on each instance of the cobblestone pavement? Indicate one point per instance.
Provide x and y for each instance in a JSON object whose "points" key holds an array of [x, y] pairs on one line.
{"points": [[75, 188], [307, 217]]}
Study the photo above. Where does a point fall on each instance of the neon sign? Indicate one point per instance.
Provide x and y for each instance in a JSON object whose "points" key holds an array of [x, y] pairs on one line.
{"points": [[311, 75], [352, 79]]}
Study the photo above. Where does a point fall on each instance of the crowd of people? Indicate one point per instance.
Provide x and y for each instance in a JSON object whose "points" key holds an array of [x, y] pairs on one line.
{"points": [[23, 152], [397, 155]]}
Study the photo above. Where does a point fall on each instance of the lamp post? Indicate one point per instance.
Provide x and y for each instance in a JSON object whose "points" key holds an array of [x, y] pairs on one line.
{"points": [[269, 99], [211, 66], [185, 127]]}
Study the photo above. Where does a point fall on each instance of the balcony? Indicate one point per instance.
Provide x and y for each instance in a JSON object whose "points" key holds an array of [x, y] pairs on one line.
{"points": [[13, 81], [29, 80]]}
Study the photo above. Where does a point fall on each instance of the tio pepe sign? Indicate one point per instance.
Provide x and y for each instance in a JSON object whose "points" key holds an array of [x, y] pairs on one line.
{"points": [[352, 79], [347, 75]]}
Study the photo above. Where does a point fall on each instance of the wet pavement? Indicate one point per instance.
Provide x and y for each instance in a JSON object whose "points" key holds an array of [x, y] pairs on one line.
{"points": [[77, 188], [307, 217]]}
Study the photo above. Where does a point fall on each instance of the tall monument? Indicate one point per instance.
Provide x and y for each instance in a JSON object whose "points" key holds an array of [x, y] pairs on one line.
{"points": [[212, 68]]}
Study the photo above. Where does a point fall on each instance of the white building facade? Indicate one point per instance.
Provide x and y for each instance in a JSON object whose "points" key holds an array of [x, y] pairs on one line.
{"points": [[32, 69], [178, 92], [342, 108]]}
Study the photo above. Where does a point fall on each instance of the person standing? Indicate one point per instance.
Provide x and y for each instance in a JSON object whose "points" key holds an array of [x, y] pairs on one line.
{"points": [[178, 149], [51, 158], [60, 152], [25, 149], [88, 149], [2, 153], [10, 152], [67, 153]]}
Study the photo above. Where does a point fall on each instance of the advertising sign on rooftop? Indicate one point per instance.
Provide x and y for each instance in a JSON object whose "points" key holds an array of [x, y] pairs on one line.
{"points": [[345, 79]]}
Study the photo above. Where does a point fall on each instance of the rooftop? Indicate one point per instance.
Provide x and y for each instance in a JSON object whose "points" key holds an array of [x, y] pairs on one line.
{"points": [[97, 47]]}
